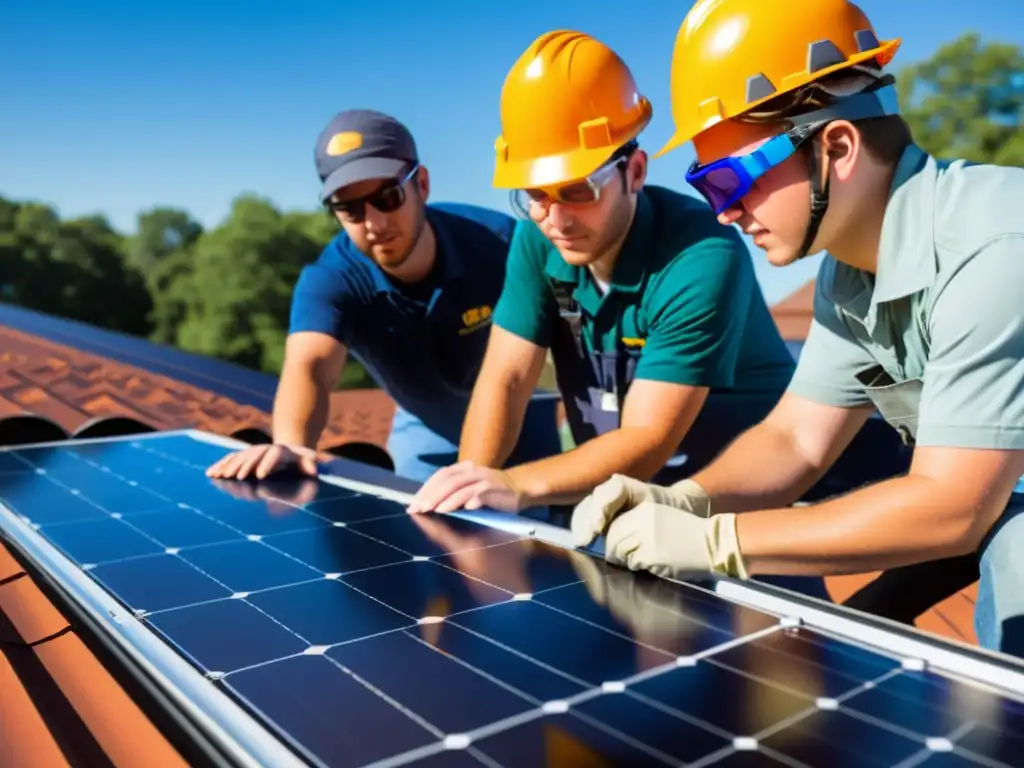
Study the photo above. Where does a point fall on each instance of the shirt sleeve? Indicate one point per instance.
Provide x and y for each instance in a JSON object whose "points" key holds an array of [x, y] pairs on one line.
{"points": [[973, 389], [321, 302], [698, 312], [527, 304], [831, 357]]}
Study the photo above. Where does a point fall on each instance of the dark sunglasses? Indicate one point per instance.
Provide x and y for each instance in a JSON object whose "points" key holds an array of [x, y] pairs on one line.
{"points": [[387, 199]]}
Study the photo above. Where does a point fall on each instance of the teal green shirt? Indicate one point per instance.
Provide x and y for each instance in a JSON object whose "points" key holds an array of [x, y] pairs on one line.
{"points": [[945, 306], [683, 292]]}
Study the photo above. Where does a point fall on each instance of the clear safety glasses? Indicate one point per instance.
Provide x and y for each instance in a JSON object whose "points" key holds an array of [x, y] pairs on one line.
{"points": [[582, 192]]}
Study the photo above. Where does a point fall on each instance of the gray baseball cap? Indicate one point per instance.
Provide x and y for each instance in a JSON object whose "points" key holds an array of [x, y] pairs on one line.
{"points": [[362, 144]]}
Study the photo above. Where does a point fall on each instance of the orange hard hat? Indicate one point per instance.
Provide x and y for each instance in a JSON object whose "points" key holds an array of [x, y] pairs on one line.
{"points": [[731, 56], [567, 104]]}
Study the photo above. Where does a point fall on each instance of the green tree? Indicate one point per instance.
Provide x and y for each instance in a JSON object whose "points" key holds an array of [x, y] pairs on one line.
{"points": [[237, 293], [161, 251], [72, 269], [967, 101]]}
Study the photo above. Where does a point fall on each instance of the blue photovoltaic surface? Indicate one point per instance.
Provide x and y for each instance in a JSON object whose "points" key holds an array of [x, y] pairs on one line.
{"points": [[363, 635]]}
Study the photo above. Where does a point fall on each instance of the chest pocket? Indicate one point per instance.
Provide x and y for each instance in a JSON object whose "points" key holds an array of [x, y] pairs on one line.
{"points": [[895, 384], [898, 402]]}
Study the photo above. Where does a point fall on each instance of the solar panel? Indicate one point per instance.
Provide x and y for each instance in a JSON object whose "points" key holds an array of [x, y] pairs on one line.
{"points": [[317, 623]]}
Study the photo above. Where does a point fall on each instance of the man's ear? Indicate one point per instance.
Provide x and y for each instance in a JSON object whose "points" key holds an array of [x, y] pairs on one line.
{"points": [[841, 143], [636, 171], [423, 182]]}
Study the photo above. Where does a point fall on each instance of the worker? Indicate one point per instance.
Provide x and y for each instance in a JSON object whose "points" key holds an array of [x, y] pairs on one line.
{"points": [[405, 287], [917, 313], [662, 343]]}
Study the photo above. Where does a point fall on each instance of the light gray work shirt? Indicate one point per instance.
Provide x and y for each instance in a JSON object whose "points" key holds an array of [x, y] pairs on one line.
{"points": [[942, 320]]}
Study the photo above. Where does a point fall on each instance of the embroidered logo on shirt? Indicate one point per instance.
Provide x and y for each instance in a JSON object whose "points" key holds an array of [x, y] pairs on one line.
{"points": [[476, 318]]}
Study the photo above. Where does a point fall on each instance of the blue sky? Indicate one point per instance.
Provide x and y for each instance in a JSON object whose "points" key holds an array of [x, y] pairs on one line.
{"points": [[116, 106]]}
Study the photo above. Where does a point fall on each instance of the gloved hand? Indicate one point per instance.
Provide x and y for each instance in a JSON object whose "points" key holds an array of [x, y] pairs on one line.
{"points": [[674, 543], [620, 494]]}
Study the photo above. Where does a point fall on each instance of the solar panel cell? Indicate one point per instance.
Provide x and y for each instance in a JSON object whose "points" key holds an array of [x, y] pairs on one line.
{"points": [[836, 738], [182, 528], [425, 590], [227, 634], [333, 716], [248, 566], [924, 703], [98, 541], [362, 635], [10, 463], [807, 661], [405, 533], [50, 505], [407, 668], [326, 612], [335, 550], [352, 509], [158, 583]]}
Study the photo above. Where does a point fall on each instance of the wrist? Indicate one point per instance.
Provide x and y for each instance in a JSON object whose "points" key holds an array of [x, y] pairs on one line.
{"points": [[724, 544], [690, 495], [529, 486]]}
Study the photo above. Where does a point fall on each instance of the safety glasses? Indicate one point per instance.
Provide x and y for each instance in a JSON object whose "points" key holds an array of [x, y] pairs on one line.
{"points": [[387, 199], [723, 183], [583, 192]]}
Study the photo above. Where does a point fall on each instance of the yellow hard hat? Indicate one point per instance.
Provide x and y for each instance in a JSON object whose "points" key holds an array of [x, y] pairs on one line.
{"points": [[567, 104], [733, 55]]}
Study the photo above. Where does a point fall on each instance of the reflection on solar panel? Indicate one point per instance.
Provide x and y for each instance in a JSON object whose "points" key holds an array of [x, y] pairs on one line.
{"points": [[316, 623]]}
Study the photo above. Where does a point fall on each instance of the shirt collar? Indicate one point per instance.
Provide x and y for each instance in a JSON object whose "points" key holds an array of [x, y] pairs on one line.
{"points": [[906, 249]]}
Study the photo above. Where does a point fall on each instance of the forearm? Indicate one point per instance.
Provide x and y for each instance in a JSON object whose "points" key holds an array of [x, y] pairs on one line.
{"points": [[763, 468], [301, 410], [568, 477], [897, 522], [493, 422]]}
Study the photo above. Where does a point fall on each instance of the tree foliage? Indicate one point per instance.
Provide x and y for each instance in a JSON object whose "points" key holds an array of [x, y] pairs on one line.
{"points": [[225, 291], [967, 101]]}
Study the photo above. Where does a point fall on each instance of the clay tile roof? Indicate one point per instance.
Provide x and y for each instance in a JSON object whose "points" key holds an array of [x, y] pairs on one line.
{"points": [[72, 387]]}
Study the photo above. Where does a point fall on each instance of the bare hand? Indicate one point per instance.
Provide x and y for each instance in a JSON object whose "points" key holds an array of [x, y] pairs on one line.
{"points": [[258, 461], [467, 486]]}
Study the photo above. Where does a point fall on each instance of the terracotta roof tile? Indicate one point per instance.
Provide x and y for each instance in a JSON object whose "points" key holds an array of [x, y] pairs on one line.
{"points": [[71, 387], [58, 705], [33, 619], [25, 738]]}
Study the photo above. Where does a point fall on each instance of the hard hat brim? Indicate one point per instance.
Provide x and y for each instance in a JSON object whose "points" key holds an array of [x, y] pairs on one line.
{"points": [[550, 171]]}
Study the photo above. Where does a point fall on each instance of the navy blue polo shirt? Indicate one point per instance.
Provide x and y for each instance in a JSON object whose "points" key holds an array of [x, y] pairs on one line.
{"points": [[425, 343]]}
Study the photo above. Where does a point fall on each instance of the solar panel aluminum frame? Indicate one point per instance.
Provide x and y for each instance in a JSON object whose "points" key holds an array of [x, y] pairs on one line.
{"points": [[247, 742]]}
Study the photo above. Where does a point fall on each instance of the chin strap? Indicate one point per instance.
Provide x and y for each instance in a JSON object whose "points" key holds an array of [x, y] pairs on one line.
{"points": [[877, 101], [819, 197]]}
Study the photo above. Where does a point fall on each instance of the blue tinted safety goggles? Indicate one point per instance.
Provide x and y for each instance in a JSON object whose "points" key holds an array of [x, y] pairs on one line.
{"points": [[723, 183]]}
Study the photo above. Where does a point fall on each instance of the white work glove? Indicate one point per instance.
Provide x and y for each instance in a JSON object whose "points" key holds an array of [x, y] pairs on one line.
{"points": [[620, 494], [667, 531], [674, 543]]}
